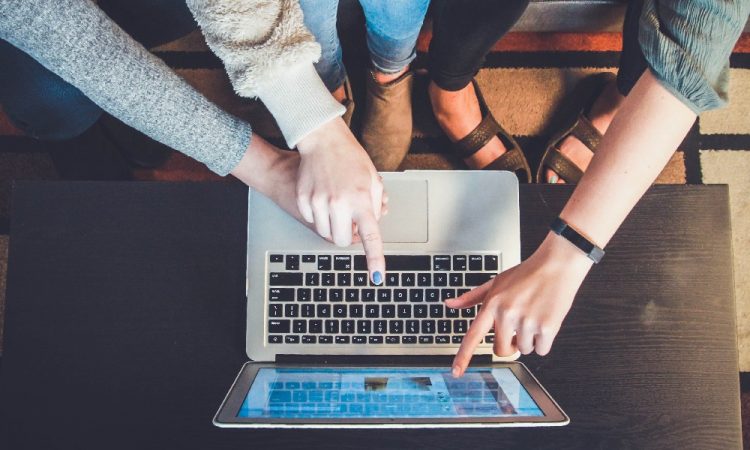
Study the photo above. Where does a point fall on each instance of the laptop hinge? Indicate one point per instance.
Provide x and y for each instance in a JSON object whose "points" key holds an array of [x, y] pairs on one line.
{"points": [[442, 360]]}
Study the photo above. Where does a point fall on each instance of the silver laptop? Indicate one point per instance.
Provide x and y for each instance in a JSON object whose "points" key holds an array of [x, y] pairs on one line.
{"points": [[446, 232]]}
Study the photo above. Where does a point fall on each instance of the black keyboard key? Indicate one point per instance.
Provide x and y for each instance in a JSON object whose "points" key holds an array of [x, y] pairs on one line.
{"points": [[368, 295], [459, 326], [452, 313], [398, 263], [315, 326], [404, 311], [425, 339], [291, 339], [339, 311], [344, 279], [309, 339], [461, 292], [277, 258], [347, 326], [436, 311], [476, 279], [279, 326], [416, 295], [388, 311], [456, 279], [299, 326], [420, 311], [442, 339], [459, 262], [324, 310], [400, 295], [328, 279], [446, 294], [324, 262], [308, 310], [274, 310], [408, 339], [424, 279], [336, 295], [332, 326], [490, 262], [291, 310], [375, 340], [281, 294], [384, 295], [275, 339], [342, 262], [308, 258], [475, 262], [444, 326], [355, 311], [489, 339], [360, 279], [359, 339], [303, 294], [292, 262], [408, 279], [395, 326], [392, 340], [380, 326], [457, 339], [372, 311], [325, 340], [440, 279], [428, 327], [320, 295], [441, 263], [364, 326], [342, 339], [468, 312], [432, 295], [351, 295], [391, 279], [412, 326], [286, 279]]}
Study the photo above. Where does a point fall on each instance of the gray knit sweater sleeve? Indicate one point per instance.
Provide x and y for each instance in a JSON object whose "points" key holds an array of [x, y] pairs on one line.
{"points": [[687, 45], [78, 42]]}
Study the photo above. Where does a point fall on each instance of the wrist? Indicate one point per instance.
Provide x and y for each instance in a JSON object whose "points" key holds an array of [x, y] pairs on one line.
{"points": [[256, 163], [321, 136], [564, 254]]}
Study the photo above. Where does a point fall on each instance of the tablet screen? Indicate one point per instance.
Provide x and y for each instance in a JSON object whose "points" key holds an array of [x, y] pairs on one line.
{"points": [[308, 393]]}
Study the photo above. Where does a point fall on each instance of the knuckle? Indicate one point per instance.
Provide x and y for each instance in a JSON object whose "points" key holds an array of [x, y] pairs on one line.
{"points": [[371, 237]]}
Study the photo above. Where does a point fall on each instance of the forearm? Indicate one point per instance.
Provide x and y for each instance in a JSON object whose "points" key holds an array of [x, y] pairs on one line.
{"points": [[638, 144], [78, 42]]}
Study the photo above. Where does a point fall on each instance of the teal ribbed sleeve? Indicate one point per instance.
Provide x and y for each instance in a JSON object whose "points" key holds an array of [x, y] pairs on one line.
{"points": [[687, 44]]}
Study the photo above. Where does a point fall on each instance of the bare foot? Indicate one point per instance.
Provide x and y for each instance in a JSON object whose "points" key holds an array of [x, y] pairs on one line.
{"points": [[602, 112], [458, 113], [339, 94]]}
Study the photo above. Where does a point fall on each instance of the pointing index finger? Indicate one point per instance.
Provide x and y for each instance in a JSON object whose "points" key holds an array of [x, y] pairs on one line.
{"points": [[372, 241]]}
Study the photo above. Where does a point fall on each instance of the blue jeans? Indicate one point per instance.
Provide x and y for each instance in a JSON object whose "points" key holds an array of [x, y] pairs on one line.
{"points": [[392, 31], [47, 107]]}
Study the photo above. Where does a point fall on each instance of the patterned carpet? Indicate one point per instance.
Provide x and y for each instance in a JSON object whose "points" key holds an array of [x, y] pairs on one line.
{"points": [[523, 80]]}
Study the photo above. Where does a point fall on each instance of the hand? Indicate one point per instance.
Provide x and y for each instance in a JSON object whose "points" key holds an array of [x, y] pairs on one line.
{"points": [[530, 300], [339, 190]]}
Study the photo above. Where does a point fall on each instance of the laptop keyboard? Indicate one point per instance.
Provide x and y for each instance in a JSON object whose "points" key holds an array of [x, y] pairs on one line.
{"points": [[329, 299]]}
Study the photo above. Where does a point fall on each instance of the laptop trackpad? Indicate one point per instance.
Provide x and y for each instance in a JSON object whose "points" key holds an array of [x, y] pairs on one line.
{"points": [[406, 220]]}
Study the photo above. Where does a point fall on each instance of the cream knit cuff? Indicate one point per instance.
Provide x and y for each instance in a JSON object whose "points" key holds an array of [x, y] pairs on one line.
{"points": [[299, 101]]}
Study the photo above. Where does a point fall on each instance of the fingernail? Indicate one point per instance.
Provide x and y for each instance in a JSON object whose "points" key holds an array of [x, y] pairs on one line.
{"points": [[456, 371], [553, 179], [377, 277]]}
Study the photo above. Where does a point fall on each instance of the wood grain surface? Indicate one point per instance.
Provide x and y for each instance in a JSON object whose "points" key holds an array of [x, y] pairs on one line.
{"points": [[125, 322]]}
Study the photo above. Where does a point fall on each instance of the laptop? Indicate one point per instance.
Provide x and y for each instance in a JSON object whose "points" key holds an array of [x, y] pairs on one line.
{"points": [[310, 301]]}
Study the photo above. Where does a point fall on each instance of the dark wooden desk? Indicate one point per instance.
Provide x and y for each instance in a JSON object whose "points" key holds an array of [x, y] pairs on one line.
{"points": [[125, 326]]}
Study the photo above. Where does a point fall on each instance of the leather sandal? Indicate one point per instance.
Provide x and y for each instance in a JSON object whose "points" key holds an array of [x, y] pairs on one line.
{"points": [[512, 160], [578, 125]]}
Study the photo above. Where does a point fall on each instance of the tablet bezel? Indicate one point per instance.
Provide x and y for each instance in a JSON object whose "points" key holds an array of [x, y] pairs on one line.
{"points": [[226, 416]]}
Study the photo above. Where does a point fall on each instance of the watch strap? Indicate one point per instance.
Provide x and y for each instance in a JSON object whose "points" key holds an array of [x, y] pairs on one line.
{"points": [[561, 228]]}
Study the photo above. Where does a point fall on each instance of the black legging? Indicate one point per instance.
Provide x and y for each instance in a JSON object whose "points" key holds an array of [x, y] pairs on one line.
{"points": [[463, 32]]}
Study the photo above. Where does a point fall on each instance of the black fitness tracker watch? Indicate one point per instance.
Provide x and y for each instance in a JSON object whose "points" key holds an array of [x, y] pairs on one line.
{"points": [[561, 228]]}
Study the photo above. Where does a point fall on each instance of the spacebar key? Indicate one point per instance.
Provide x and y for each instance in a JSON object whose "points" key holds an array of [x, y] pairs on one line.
{"points": [[286, 279], [398, 262]]}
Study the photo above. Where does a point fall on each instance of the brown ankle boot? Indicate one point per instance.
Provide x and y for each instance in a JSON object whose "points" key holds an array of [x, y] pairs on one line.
{"points": [[348, 103], [387, 121]]}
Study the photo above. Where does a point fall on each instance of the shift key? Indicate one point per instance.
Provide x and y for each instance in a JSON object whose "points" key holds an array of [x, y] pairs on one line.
{"points": [[286, 279], [278, 326]]}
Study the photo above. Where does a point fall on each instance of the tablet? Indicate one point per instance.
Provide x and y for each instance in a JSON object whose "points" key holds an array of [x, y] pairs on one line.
{"points": [[274, 395]]}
